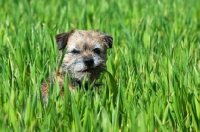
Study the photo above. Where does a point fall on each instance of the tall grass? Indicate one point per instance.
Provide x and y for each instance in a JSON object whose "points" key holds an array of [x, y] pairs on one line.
{"points": [[153, 80]]}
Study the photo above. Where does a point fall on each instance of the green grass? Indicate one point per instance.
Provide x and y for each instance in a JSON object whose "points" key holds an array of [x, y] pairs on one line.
{"points": [[154, 65]]}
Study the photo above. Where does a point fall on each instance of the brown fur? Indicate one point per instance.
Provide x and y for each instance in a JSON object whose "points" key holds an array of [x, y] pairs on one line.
{"points": [[85, 57]]}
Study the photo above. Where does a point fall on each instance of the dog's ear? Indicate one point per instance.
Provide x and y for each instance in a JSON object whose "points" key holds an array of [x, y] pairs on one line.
{"points": [[109, 40], [61, 39]]}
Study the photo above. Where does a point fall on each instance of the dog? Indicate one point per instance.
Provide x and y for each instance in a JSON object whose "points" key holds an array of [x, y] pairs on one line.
{"points": [[83, 57]]}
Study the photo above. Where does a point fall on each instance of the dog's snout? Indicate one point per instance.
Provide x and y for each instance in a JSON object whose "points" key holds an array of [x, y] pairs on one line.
{"points": [[88, 61]]}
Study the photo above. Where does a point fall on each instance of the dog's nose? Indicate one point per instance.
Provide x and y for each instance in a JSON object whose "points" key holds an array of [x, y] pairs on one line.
{"points": [[88, 61]]}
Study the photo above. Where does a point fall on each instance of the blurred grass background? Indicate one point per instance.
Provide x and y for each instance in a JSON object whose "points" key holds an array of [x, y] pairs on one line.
{"points": [[154, 83]]}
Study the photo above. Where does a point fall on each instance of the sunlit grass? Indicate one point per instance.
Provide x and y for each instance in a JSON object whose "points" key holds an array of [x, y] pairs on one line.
{"points": [[152, 83]]}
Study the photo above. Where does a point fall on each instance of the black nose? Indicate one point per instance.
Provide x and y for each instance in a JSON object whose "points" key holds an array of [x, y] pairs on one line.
{"points": [[88, 61]]}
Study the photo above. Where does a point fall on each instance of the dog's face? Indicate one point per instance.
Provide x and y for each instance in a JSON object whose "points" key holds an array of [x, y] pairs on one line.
{"points": [[85, 56]]}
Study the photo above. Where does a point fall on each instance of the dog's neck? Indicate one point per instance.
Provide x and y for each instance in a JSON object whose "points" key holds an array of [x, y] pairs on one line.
{"points": [[78, 84]]}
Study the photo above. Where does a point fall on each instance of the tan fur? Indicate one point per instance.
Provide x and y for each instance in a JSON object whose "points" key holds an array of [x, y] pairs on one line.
{"points": [[85, 57]]}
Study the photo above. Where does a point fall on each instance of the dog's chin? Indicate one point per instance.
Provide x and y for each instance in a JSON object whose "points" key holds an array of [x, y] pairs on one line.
{"points": [[88, 75]]}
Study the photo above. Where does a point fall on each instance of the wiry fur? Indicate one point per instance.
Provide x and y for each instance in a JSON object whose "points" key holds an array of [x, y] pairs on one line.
{"points": [[84, 56]]}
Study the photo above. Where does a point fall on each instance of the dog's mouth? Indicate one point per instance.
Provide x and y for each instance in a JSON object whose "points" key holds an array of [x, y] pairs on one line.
{"points": [[89, 74], [91, 69], [88, 69]]}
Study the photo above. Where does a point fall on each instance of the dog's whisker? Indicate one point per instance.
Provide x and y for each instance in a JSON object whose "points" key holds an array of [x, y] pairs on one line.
{"points": [[83, 57]]}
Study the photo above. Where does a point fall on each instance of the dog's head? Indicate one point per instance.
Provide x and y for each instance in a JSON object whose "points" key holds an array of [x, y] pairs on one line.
{"points": [[85, 55]]}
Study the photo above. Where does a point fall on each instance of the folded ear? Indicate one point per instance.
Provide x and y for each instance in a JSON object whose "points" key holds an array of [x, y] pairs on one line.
{"points": [[109, 40], [61, 39]]}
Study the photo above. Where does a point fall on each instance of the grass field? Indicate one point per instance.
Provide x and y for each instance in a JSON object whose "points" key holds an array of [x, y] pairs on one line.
{"points": [[153, 78]]}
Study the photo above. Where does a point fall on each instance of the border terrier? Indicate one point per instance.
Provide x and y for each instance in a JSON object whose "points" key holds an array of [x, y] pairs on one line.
{"points": [[83, 56]]}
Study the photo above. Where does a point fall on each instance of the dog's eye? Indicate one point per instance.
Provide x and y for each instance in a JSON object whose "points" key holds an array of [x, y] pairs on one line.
{"points": [[97, 50], [75, 51]]}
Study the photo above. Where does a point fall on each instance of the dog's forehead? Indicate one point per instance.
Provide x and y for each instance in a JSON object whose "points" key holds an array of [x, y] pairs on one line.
{"points": [[86, 39]]}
